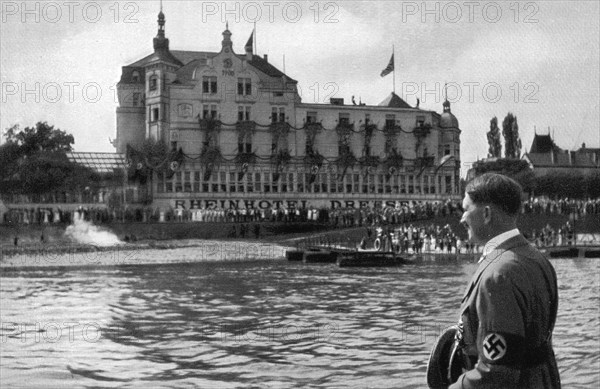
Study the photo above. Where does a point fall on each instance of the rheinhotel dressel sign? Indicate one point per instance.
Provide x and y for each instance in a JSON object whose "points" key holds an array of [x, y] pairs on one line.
{"points": [[192, 204]]}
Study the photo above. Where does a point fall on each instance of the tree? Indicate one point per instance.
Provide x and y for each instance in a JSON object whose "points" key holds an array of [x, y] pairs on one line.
{"points": [[42, 137], [33, 161], [493, 136], [510, 131]]}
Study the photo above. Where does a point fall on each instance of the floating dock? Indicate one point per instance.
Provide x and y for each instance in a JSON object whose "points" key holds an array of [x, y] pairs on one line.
{"points": [[573, 251]]}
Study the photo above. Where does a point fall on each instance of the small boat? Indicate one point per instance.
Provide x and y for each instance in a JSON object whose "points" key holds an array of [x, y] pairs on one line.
{"points": [[369, 258], [315, 255], [573, 251], [294, 255]]}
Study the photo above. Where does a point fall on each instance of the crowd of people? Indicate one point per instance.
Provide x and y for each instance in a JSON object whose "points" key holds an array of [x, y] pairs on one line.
{"points": [[412, 239], [544, 205], [338, 217], [430, 239], [406, 212], [550, 237]]}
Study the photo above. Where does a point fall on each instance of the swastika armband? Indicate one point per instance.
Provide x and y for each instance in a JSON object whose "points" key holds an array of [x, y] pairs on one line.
{"points": [[502, 349]]}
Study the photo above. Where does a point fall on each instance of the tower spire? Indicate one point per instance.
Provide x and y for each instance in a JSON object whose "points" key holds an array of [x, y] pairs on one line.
{"points": [[161, 42], [226, 43], [446, 103]]}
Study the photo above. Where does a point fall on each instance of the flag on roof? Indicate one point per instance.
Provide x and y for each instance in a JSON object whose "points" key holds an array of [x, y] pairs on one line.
{"points": [[250, 43], [389, 68]]}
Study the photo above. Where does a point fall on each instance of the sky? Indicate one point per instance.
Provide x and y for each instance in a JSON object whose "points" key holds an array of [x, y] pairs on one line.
{"points": [[60, 61]]}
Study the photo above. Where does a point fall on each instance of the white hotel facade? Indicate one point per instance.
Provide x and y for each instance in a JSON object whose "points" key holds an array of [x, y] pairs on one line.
{"points": [[247, 139]]}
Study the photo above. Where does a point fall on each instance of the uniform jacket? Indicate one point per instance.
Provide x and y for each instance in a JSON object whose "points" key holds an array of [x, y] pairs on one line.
{"points": [[508, 314]]}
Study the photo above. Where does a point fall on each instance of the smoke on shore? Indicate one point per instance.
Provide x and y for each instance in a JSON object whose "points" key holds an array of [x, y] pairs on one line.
{"points": [[84, 232]]}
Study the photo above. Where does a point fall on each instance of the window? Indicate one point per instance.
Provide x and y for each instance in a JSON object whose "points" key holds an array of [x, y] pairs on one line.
{"points": [[178, 182], [367, 119], [308, 185], [344, 118], [135, 76], [244, 86], [332, 183], [196, 181], [209, 84], [223, 183], [282, 115], [447, 150], [324, 185], [249, 184], [257, 182], [390, 121], [311, 117], [278, 115], [209, 111], [153, 83], [267, 185], [372, 183], [243, 113], [232, 183], [420, 120], [155, 115], [173, 146], [300, 184]]}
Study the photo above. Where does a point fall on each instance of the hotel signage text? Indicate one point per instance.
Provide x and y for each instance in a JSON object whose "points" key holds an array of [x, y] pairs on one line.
{"points": [[276, 204]]}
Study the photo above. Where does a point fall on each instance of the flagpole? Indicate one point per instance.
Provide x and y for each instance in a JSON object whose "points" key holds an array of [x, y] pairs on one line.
{"points": [[394, 69], [254, 45]]}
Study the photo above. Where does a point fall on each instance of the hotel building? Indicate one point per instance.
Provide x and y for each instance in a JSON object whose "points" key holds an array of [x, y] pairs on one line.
{"points": [[239, 135]]}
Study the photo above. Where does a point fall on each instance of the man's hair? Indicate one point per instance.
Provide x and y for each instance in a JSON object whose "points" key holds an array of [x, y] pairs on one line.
{"points": [[498, 190]]}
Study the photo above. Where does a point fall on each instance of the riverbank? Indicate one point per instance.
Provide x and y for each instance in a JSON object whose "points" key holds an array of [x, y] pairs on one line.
{"points": [[34, 234], [48, 245], [44, 234], [149, 253]]}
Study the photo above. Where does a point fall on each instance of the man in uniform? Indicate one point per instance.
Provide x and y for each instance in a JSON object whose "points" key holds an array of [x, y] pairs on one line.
{"points": [[509, 308]]}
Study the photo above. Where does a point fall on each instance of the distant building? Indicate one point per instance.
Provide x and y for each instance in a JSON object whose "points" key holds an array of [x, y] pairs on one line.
{"points": [[545, 157], [248, 140]]}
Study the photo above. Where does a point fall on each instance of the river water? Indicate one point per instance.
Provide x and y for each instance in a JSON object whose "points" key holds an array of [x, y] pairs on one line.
{"points": [[261, 323]]}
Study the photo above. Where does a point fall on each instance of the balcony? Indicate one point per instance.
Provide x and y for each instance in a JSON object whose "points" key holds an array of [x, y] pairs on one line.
{"points": [[210, 125]]}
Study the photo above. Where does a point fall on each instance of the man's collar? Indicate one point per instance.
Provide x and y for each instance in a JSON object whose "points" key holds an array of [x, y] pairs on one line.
{"points": [[497, 240]]}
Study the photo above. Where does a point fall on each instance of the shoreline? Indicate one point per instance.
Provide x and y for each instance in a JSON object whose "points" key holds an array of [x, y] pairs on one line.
{"points": [[74, 256]]}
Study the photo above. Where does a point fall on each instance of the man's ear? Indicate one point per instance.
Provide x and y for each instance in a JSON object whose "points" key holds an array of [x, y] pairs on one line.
{"points": [[487, 214]]}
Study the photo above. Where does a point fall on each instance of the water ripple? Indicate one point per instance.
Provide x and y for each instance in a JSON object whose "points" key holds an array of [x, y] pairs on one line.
{"points": [[257, 324]]}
